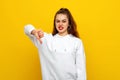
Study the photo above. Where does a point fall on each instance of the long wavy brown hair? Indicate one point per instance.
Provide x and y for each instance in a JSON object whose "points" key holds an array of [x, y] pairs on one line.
{"points": [[72, 28]]}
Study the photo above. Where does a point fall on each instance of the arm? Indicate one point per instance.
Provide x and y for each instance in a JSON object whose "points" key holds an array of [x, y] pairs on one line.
{"points": [[80, 62], [33, 34]]}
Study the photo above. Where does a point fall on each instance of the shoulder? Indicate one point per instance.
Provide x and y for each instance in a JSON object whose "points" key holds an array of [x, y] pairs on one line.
{"points": [[76, 39]]}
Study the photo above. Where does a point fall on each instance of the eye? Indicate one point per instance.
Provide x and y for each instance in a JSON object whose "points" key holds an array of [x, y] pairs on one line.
{"points": [[57, 21], [64, 21]]}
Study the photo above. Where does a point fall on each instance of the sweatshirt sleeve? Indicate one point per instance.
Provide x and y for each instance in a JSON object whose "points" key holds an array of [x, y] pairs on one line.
{"points": [[80, 61], [27, 29]]}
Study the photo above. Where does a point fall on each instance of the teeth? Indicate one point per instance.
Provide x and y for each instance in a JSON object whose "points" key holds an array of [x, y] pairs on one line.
{"points": [[60, 27]]}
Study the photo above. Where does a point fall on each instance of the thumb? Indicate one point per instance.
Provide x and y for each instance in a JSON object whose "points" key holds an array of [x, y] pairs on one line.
{"points": [[40, 41], [38, 38]]}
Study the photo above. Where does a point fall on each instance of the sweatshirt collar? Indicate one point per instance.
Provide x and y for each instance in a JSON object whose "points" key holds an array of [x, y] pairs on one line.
{"points": [[57, 35]]}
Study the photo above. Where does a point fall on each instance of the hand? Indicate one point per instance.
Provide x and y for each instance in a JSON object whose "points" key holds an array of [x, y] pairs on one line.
{"points": [[38, 34]]}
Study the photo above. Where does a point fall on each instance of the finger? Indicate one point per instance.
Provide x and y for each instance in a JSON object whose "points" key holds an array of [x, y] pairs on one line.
{"points": [[37, 36], [40, 33], [40, 41]]}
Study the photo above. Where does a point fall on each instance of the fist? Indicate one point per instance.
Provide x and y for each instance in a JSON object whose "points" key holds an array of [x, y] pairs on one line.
{"points": [[38, 34]]}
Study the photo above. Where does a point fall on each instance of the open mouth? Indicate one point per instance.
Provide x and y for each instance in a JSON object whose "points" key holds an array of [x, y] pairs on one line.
{"points": [[60, 28]]}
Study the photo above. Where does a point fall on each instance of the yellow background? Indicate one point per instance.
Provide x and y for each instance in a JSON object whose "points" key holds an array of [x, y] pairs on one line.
{"points": [[98, 24]]}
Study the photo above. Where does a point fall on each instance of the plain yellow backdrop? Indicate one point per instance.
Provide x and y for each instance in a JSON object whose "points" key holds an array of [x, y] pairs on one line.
{"points": [[98, 25]]}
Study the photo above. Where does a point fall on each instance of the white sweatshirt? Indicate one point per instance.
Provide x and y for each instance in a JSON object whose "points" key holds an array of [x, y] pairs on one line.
{"points": [[61, 57]]}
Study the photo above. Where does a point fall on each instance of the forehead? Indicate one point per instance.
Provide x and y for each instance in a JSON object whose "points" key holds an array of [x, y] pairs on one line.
{"points": [[61, 16]]}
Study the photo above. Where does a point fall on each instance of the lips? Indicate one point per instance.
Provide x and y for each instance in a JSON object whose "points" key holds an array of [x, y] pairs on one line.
{"points": [[60, 28]]}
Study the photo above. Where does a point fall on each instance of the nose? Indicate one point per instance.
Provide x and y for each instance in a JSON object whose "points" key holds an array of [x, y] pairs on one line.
{"points": [[60, 23]]}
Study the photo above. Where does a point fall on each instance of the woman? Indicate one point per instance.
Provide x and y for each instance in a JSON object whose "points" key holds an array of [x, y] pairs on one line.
{"points": [[61, 53]]}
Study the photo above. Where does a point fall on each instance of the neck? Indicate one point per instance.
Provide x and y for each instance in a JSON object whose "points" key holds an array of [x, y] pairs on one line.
{"points": [[63, 34]]}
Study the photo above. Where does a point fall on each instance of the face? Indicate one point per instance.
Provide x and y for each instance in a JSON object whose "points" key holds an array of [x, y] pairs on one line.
{"points": [[62, 24]]}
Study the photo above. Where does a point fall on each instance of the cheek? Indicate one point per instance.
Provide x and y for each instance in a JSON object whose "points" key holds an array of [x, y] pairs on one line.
{"points": [[56, 24], [66, 25]]}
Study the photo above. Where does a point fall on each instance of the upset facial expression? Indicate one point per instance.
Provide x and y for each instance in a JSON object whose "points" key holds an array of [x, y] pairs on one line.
{"points": [[61, 23]]}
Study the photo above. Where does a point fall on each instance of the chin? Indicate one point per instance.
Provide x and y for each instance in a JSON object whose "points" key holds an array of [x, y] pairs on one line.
{"points": [[61, 31]]}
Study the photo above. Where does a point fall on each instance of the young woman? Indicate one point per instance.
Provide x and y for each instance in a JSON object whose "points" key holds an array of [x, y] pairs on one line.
{"points": [[61, 53]]}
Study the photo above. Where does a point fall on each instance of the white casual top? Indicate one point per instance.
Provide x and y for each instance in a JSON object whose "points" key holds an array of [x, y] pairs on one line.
{"points": [[61, 57]]}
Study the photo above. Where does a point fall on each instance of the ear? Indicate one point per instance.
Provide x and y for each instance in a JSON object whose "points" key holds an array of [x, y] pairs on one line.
{"points": [[69, 27]]}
